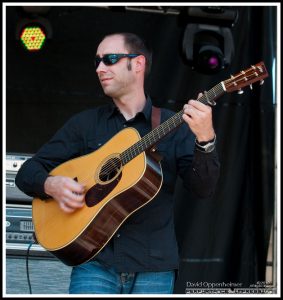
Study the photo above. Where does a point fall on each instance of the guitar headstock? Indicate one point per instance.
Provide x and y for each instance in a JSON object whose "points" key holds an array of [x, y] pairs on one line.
{"points": [[244, 78]]}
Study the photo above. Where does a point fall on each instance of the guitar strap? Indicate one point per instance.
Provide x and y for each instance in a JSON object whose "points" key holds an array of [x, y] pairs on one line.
{"points": [[155, 121], [155, 117]]}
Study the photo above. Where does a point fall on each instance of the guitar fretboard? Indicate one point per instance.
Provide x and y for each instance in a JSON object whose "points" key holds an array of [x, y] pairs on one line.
{"points": [[166, 127]]}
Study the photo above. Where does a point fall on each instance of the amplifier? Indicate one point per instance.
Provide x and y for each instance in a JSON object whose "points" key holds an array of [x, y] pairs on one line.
{"points": [[13, 163], [48, 275], [15, 160], [20, 231]]}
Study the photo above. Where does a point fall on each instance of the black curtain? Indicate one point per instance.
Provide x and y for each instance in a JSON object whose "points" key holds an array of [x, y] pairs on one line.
{"points": [[221, 240], [226, 239]]}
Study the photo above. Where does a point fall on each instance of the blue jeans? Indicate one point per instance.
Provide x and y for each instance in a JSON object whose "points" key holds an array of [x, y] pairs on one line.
{"points": [[94, 278]]}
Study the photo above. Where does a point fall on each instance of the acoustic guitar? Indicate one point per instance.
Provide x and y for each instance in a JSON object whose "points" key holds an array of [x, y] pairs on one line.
{"points": [[120, 177]]}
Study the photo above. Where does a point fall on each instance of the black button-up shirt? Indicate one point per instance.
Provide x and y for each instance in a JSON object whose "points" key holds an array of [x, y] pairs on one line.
{"points": [[146, 241]]}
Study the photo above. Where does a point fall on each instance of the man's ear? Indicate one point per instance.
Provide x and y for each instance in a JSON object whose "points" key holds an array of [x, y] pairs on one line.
{"points": [[140, 63]]}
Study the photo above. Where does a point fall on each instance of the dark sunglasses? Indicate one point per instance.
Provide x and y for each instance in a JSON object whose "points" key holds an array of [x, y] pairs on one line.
{"points": [[111, 59]]}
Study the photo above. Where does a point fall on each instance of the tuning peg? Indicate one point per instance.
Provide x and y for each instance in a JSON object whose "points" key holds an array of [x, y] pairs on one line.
{"points": [[261, 82], [251, 86], [240, 91]]}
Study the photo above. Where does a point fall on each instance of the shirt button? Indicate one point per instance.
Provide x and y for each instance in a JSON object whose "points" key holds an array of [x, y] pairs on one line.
{"points": [[118, 235], [125, 125]]}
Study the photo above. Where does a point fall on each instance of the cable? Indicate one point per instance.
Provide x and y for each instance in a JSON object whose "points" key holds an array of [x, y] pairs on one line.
{"points": [[27, 266]]}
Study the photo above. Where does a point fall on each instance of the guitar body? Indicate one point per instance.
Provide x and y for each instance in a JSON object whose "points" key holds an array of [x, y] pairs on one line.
{"points": [[111, 197]]}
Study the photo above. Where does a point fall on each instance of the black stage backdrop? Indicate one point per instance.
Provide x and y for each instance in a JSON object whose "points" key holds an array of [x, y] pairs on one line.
{"points": [[221, 240]]}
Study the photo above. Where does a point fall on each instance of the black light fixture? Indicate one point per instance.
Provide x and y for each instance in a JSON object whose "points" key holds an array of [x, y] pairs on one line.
{"points": [[32, 30], [208, 42]]}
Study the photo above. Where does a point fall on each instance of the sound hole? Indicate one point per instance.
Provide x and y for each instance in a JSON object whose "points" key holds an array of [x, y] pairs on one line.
{"points": [[110, 169]]}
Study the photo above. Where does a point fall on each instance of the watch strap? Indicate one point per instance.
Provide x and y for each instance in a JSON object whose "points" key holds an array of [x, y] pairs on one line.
{"points": [[205, 147]]}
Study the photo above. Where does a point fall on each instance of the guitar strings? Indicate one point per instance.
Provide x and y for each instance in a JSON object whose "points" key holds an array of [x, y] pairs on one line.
{"points": [[153, 136], [156, 134], [150, 138]]}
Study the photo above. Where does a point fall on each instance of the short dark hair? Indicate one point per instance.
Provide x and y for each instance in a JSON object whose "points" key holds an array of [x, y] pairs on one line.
{"points": [[137, 45]]}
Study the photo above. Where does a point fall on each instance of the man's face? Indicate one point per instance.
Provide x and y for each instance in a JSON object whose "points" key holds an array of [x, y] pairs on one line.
{"points": [[116, 80]]}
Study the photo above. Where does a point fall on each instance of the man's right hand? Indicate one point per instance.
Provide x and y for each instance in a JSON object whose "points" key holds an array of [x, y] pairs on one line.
{"points": [[67, 192]]}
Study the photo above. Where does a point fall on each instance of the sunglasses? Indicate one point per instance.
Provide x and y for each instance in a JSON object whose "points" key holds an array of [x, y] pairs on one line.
{"points": [[112, 59]]}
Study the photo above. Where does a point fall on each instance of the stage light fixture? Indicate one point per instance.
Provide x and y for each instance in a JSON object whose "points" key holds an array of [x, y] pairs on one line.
{"points": [[209, 48], [33, 33], [33, 37]]}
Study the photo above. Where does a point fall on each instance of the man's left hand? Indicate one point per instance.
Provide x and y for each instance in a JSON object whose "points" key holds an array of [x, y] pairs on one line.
{"points": [[199, 118]]}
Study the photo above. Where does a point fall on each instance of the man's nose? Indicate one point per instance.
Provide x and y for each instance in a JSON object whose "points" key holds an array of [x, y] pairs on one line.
{"points": [[101, 67]]}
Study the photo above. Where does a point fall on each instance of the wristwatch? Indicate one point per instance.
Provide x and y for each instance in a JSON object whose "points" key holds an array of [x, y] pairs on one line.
{"points": [[206, 147]]}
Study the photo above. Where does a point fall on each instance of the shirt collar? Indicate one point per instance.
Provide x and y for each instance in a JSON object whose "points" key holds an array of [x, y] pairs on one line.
{"points": [[113, 109]]}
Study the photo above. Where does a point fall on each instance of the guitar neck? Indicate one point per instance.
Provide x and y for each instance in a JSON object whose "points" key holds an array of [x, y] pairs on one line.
{"points": [[166, 127]]}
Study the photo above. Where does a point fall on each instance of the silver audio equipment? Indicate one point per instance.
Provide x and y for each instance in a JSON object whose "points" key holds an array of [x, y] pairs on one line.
{"points": [[13, 163], [19, 229], [47, 274]]}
